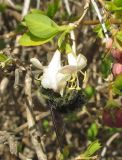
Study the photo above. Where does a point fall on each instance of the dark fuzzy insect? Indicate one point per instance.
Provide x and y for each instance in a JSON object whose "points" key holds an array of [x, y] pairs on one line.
{"points": [[71, 100]]}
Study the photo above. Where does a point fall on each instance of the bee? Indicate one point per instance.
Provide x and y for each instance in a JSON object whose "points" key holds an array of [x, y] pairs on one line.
{"points": [[71, 100]]}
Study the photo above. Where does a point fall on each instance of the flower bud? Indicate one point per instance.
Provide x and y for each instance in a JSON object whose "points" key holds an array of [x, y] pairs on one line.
{"points": [[117, 54], [109, 43], [117, 69]]}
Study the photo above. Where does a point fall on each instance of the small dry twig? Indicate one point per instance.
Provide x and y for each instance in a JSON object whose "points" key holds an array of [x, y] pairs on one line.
{"points": [[108, 143], [33, 129]]}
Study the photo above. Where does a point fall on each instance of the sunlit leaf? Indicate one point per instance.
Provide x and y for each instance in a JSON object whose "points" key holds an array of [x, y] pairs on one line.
{"points": [[118, 3], [112, 7], [42, 26], [119, 36], [92, 148], [30, 40]]}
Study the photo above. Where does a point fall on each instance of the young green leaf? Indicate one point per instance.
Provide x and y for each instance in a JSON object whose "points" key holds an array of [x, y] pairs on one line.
{"points": [[112, 6], [3, 57], [89, 91], [119, 36], [30, 40], [92, 132], [92, 148], [52, 8], [42, 26], [105, 66], [61, 39], [118, 3], [118, 83]]}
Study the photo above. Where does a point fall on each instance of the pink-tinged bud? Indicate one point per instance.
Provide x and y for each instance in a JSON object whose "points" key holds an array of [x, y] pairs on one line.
{"points": [[117, 69], [117, 54], [109, 43]]}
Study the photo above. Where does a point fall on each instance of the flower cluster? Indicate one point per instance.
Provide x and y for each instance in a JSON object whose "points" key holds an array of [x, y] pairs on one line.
{"points": [[55, 76]]}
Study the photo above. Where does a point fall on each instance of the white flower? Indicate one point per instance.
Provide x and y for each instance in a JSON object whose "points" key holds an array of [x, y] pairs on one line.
{"points": [[55, 76], [76, 63], [52, 78]]}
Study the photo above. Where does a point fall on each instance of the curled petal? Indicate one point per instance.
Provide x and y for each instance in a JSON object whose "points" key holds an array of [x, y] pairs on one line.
{"points": [[68, 69], [81, 61]]}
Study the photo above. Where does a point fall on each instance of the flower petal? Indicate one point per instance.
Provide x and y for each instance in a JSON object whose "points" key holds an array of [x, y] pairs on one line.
{"points": [[72, 59], [68, 69], [36, 63], [49, 76], [55, 62], [81, 61]]}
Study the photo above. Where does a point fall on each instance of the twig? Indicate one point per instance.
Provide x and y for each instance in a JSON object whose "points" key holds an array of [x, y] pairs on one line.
{"points": [[33, 129], [13, 13], [95, 22], [10, 3], [22, 157], [66, 2], [17, 78], [108, 143], [76, 23], [25, 125], [12, 34], [3, 85], [100, 18], [76, 3], [25, 7], [38, 4], [72, 33], [86, 7], [89, 158]]}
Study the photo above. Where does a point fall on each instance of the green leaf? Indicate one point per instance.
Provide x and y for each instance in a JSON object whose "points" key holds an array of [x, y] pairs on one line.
{"points": [[46, 125], [90, 91], [118, 3], [119, 36], [117, 42], [92, 148], [30, 40], [52, 8], [2, 44], [2, 7], [118, 82], [68, 48], [3, 57], [37, 11], [62, 38], [112, 7], [42, 26], [105, 66], [99, 31], [92, 132]]}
